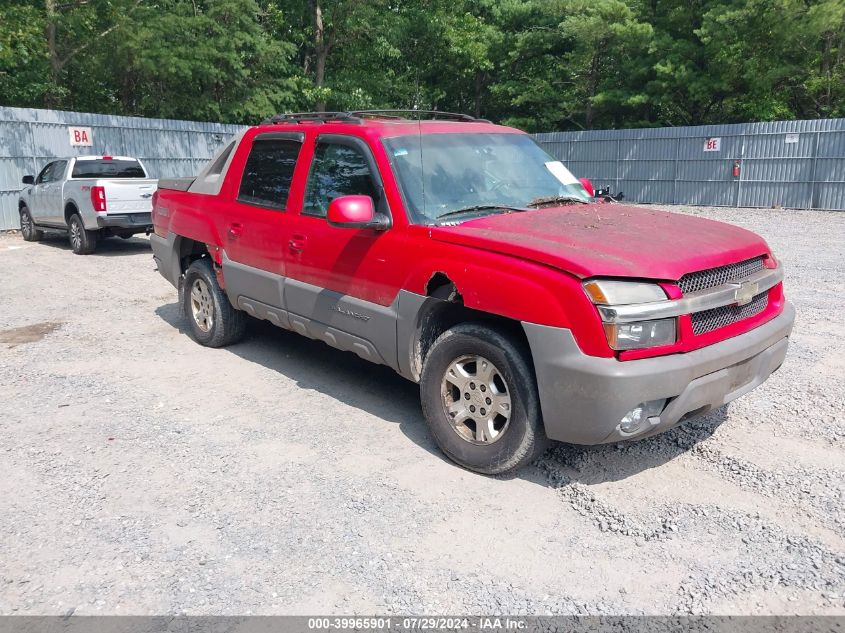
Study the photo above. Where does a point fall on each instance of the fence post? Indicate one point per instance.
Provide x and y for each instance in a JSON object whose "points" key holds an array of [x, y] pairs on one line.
{"points": [[741, 170], [814, 201], [32, 148], [675, 170], [618, 159]]}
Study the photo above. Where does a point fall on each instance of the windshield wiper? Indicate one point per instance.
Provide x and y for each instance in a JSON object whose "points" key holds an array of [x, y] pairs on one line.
{"points": [[547, 200], [480, 207]]}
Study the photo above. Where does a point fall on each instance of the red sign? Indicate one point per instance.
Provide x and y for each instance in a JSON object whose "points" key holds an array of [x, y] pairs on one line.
{"points": [[713, 144], [80, 136]]}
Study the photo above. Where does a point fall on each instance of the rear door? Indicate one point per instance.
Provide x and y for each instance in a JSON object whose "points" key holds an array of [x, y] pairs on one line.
{"points": [[342, 282], [254, 223]]}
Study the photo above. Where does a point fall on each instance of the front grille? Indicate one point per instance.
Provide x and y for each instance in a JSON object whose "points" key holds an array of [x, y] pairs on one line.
{"points": [[703, 279], [709, 320]]}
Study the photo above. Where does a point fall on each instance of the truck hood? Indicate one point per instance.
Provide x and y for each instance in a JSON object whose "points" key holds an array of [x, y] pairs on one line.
{"points": [[609, 240]]}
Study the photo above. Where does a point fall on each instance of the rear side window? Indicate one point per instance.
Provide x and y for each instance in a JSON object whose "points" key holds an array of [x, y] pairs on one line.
{"points": [[269, 172], [108, 169]]}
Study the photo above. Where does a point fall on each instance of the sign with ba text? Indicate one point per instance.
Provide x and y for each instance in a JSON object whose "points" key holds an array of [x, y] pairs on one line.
{"points": [[791, 138], [713, 144], [80, 136]]}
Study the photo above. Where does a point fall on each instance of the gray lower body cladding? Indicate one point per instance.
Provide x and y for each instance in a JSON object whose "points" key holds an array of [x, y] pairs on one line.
{"points": [[584, 398], [166, 257]]}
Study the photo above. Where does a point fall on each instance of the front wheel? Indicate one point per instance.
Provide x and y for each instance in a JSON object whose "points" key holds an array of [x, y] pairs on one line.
{"points": [[213, 320], [479, 397], [29, 232], [82, 241]]}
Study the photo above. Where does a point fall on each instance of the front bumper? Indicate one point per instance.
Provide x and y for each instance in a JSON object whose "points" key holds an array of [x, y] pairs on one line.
{"points": [[136, 221], [583, 398]]}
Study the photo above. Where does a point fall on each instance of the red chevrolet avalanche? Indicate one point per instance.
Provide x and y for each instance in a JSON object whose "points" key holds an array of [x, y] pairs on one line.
{"points": [[463, 256]]}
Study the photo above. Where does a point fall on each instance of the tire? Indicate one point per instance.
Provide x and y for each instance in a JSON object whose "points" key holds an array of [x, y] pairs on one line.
{"points": [[82, 241], [29, 231], [456, 374], [212, 319]]}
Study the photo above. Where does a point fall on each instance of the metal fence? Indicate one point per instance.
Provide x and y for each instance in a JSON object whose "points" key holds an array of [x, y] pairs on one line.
{"points": [[792, 164], [795, 164], [31, 138]]}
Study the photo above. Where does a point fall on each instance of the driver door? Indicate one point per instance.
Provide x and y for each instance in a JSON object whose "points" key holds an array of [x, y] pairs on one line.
{"points": [[344, 281], [36, 204]]}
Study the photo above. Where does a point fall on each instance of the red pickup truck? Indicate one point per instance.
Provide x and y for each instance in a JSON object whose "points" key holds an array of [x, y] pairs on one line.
{"points": [[463, 256]]}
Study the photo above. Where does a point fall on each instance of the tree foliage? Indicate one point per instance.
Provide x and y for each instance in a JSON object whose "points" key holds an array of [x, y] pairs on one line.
{"points": [[538, 64]]}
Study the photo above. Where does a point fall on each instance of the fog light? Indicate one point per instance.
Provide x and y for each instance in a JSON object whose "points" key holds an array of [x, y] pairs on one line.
{"points": [[637, 417]]}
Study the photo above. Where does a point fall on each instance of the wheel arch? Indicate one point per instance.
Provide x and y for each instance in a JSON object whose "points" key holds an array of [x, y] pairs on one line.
{"points": [[70, 208], [442, 308]]}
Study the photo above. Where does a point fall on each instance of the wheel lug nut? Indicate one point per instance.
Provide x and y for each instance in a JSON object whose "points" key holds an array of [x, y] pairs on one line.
{"points": [[483, 388], [488, 400], [472, 385], [472, 408], [483, 412], [466, 396]]}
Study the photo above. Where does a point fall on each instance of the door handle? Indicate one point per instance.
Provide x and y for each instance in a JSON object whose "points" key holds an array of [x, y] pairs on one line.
{"points": [[235, 230], [297, 243]]}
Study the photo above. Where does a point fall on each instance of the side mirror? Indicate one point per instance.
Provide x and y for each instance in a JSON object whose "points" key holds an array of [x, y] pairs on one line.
{"points": [[29, 180], [585, 182], [356, 212]]}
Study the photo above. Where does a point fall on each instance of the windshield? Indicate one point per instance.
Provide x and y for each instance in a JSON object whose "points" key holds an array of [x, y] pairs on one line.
{"points": [[442, 174], [108, 168]]}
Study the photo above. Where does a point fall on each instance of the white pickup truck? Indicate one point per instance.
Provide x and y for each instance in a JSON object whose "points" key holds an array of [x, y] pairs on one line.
{"points": [[90, 197]]}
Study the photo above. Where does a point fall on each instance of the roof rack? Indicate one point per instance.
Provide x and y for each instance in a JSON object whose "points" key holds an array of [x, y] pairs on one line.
{"points": [[317, 117], [357, 116], [432, 115]]}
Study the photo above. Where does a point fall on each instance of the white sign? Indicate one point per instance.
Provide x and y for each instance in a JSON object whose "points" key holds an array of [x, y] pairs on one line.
{"points": [[561, 173], [713, 144], [80, 136], [791, 138]]}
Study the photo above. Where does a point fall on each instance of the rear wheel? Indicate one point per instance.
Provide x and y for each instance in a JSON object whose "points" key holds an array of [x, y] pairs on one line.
{"points": [[480, 399], [213, 320], [82, 241], [29, 232]]}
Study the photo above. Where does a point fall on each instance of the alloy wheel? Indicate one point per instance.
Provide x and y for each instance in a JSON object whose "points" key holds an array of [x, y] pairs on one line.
{"points": [[202, 306], [75, 234], [26, 225], [476, 399]]}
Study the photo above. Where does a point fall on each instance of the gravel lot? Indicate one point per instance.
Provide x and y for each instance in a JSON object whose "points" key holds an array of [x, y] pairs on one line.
{"points": [[144, 474]]}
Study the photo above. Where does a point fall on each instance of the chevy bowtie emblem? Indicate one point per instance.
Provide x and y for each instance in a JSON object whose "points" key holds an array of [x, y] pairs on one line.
{"points": [[745, 293]]}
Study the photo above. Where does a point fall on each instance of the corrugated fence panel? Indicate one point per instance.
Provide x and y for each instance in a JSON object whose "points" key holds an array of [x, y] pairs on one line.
{"points": [[798, 164], [31, 138]]}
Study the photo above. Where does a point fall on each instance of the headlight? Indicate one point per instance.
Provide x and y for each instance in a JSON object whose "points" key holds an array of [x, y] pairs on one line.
{"points": [[615, 293], [639, 334]]}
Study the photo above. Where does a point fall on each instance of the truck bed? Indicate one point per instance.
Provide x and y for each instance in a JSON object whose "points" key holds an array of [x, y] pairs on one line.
{"points": [[176, 184]]}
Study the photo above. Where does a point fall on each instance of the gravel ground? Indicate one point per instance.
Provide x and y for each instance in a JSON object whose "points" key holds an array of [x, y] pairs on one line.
{"points": [[142, 473]]}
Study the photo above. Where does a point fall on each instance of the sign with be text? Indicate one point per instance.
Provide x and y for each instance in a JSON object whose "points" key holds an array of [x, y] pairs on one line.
{"points": [[80, 136], [713, 144]]}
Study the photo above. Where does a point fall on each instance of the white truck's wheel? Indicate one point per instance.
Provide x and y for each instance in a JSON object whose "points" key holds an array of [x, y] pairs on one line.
{"points": [[82, 241]]}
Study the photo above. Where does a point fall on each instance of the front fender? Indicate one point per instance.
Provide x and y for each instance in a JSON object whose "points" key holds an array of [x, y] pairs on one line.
{"points": [[515, 289]]}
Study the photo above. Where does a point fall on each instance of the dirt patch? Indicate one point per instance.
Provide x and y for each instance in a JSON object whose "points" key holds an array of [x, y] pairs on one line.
{"points": [[28, 333]]}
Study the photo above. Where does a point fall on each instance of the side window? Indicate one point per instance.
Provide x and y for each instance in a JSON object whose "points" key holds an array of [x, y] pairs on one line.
{"points": [[44, 176], [58, 171], [337, 170], [269, 172]]}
